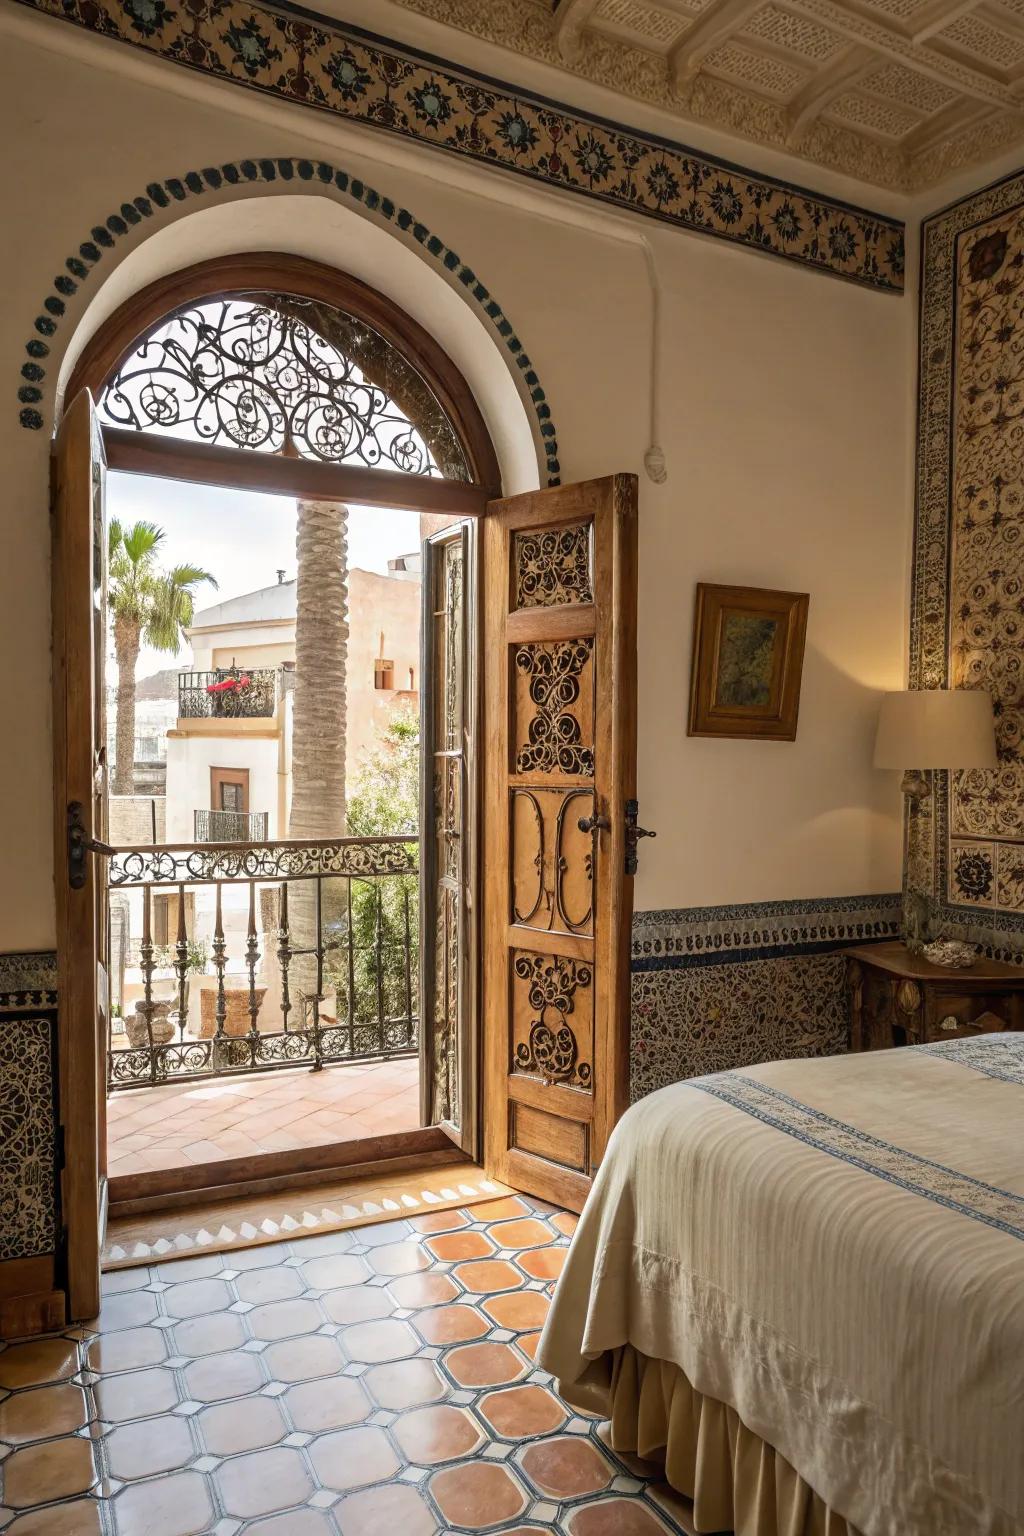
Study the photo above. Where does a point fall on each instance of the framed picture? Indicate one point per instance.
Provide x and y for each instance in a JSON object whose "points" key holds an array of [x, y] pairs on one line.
{"points": [[748, 653]]}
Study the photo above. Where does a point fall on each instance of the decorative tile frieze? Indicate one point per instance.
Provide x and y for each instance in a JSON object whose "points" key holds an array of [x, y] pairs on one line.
{"points": [[28, 981], [313, 61], [756, 930]]}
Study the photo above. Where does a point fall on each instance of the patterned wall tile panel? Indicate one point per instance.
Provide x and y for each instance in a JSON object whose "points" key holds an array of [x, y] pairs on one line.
{"points": [[716, 988], [28, 1123], [968, 600], [317, 63]]}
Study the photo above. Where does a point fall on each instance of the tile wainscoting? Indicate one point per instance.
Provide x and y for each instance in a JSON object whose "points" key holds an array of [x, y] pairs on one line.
{"points": [[715, 988]]}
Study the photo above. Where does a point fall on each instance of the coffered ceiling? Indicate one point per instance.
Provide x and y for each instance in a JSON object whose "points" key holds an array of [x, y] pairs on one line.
{"points": [[897, 93]]}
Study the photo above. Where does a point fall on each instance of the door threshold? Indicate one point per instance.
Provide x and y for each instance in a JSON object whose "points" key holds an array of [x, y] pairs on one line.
{"points": [[220, 1225]]}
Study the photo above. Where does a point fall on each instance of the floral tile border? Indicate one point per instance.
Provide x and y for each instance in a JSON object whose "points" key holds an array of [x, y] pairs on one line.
{"points": [[303, 57], [28, 981], [697, 936]]}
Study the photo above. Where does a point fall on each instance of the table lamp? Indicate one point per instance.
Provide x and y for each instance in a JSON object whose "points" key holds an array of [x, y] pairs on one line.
{"points": [[931, 728]]}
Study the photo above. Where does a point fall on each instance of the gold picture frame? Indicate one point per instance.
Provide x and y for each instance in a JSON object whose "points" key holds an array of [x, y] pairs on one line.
{"points": [[748, 654]]}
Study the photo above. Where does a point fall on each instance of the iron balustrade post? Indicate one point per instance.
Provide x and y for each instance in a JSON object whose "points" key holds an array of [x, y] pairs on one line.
{"points": [[252, 955], [284, 952], [181, 964], [147, 967]]}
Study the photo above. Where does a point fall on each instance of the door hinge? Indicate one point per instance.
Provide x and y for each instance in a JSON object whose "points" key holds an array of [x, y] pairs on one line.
{"points": [[633, 835]]}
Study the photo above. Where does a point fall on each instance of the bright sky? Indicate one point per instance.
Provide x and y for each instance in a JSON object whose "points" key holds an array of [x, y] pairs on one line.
{"points": [[242, 537]]}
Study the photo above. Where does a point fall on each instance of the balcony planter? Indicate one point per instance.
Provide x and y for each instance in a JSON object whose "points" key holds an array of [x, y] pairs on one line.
{"points": [[237, 1020]]}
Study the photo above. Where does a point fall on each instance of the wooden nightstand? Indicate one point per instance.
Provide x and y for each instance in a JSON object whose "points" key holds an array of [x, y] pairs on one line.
{"points": [[897, 998]]}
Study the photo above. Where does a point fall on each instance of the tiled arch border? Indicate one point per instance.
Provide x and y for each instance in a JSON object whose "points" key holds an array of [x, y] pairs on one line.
{"points": [[33, 388]]}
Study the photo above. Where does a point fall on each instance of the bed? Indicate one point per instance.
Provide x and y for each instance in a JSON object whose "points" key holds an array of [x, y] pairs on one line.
{"points": [[802, 1284]]}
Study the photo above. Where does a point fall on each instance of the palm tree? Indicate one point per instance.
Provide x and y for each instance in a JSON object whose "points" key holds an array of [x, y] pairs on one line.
{"points": [[318, 718], [145, 603]]}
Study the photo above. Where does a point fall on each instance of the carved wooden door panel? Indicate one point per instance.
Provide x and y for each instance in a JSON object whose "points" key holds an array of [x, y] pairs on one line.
{"points": [[559, 765], [449, 702], [79, 648]]}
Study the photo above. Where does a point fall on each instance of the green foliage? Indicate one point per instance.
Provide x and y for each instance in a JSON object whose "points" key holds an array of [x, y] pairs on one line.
{"points": [[158, 604], [385, 910]]}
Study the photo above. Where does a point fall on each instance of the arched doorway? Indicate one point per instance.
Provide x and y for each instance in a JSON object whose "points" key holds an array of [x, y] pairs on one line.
{"points": [[280, 375]]}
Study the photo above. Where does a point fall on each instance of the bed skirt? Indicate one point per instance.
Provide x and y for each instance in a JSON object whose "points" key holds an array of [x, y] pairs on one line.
{"points": [[736, 1480]]}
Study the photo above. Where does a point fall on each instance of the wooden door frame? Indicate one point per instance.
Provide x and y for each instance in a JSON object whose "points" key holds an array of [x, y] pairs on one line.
{"points": [[149, 454], [220, 775]]}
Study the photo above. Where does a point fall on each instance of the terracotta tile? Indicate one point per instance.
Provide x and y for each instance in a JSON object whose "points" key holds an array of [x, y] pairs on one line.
{"points": [[50, 1469], [357, 1304], [332, 1404], [477, 1494], [297, 1522], [334, 1270], [614, 1517], [129, 1350], [42, 1412], [302, 1359], [399, 1258], [327, 1242], [351, 1458], [263, 1482], [178, 1271], [565, 1222], [151, 1445], [521, 1412], [380, 1233], [450, 1325], [197, 1298], [404, 1384], [247, 1425], [428, 1290], [284, 1319], [81, 1518], [177, 1505], [209, 1335], [500, 1210], [222, 1376], [374, 1342], [484, 1365], [136, 1394], [273, 1284], [440, 1221], [261, 1256], [543, 1263], [383, 1511], [487, 1275], [38, 1361], [527, 1233], [518, 1309], [460, 1245], [439, 1433], [528, 1343], [114, 1281], [566, 1467], [132, 1309]]}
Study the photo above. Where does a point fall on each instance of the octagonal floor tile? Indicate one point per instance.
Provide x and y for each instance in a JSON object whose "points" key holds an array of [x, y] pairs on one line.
{"points": [[375, 1342], [42, 1411], [520, 1412], [38, 1361], [404, 1384], [262, 1285], [566, 1467], [150, 1445], [484, 1365], [263, 1482], [178, 1505], [485, 1276], [332, 1270], [228, 1428], [452, 1246], [197, 1298], [221, 1376], [450, 1325], [332, 1404], [130, 1350], [543, 1263], [527, 1232], [502, 1209], [565, 1222], [398, 1258], [207, 1335], [136, 1394], [439, 1221], [79, 1518], [51, 1469], [438, 1433], [297, 1522], [518, 1309], [477, 1494], [428, 1290], [357, 1304], [615, 1517], [303, 1359], [351, 1458], [130, 1309], [385, 1511], [528, 1343], [284, 1319]]}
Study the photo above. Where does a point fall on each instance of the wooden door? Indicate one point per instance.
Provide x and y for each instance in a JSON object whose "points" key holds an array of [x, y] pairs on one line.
{"points": [[79, 721], [559, 766], [229, 789], [449, 944]]}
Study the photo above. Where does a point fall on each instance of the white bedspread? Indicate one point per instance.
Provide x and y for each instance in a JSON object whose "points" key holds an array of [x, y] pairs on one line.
{"points": [[834, 1248]]}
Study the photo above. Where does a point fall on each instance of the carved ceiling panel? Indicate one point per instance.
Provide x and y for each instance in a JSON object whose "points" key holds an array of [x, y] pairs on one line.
{"points": [[898, 93]]}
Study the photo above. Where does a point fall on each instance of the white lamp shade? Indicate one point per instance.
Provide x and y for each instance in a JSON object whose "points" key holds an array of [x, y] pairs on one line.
{"points": [[936, 728]]}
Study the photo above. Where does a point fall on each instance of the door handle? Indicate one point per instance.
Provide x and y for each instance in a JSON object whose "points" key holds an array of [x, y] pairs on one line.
{"points": [[633, 835], [592, 823]]}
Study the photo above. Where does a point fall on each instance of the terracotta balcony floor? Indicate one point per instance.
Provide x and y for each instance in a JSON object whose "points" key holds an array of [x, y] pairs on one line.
{"points": [[152, 1129]]}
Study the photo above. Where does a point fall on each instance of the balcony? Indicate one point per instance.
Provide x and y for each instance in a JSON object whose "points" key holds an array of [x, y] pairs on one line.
{"points": [[230, 826], [232, 693]]}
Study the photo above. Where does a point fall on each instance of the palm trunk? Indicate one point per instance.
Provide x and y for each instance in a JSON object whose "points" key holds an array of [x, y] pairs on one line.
{"points": [[127, 637], [318, 721]]}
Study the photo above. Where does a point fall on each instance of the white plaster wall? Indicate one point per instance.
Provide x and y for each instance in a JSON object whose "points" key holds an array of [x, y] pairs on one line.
{"points": [[189, 760], [785, 408]]}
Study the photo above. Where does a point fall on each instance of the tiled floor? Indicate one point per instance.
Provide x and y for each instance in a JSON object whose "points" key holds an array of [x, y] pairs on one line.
{"points": [[379, 1382], [152, 1129]]}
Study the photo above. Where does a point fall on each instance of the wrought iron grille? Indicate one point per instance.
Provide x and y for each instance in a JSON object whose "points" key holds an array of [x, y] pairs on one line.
{"points": [[230, 693], [258, 975], [230, 826], [279, 374]]}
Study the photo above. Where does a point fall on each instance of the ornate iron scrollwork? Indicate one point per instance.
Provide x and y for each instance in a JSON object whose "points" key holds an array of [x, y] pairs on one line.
{"points": [[355, 857], [553, 1053], [552, 567], [555, 734]]}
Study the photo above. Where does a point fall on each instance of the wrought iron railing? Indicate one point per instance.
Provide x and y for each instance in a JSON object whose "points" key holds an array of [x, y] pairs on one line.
{"points": [[231, 693], [279, 954], [230, 826]]}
